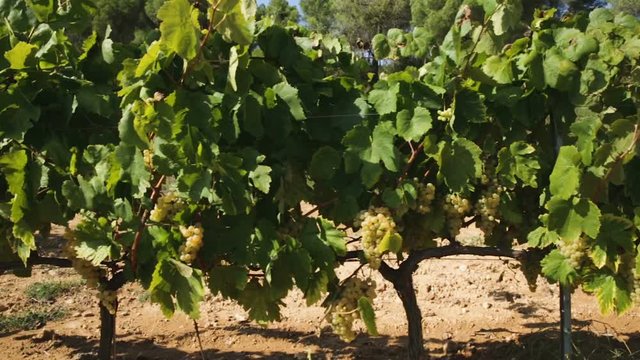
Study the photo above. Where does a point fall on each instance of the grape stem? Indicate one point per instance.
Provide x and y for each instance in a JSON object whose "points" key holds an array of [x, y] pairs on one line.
{"points": [[155, 194]]}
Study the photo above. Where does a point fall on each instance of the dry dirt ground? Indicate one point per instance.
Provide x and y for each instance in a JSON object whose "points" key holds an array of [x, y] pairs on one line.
{"points": [[473, 309]]}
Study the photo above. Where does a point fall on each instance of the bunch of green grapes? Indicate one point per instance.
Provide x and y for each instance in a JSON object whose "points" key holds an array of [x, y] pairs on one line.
{"points": [[445, 115], [193, 235], [575, 251], [531, 270], [426, 195], [455, 208], [148, 158], [375, 223], [89, 272], [344, 310], [109, 299], [487, 208], [167, 206]]}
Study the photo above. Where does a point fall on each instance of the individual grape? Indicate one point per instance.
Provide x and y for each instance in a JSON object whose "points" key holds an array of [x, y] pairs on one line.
{"points": [[575, 251], [375, 223], [193, 243], [445, 115], [344, 310], [426, 195], [167, 206], [455, 208]]}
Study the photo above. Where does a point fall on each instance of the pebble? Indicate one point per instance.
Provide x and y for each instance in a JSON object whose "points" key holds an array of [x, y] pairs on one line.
{"points": [[487, 305]]}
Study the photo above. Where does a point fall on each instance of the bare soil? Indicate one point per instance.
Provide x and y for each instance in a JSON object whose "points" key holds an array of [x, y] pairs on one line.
{"points": [[472, 309]]}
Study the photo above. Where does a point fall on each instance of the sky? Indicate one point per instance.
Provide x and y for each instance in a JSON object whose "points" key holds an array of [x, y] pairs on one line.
{"points": [[292, 2]]}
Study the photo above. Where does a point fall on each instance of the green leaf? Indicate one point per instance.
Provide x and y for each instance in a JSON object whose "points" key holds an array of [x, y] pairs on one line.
{"points": [[541, 237], [413, 127], [175, 280], [558, 268], [261, 178], [469, 107], [499, 68], [179, 28], [460, 164], [333, 237], [559, 72], [257, 300], [235, 20], [385, 98], [228, 281], [612, 293], [381, 48], [616, 237], [324, 163], [21, 56], [586, 129], [290, 96], [519, 161], [507, 16], [574, 43], [382, 148], [316, 287], [391, 242], [571, 218], [368, 315], [565, 177]]}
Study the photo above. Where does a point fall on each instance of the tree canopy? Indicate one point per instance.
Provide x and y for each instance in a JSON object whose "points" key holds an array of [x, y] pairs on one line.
{"points": [[280, 10]]}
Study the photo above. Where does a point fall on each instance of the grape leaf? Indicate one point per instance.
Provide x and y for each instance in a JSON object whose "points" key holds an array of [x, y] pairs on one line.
{"points": [[179, 28], [460, 164], [558, 268], [21, 56], [175, 280], [368, 315], [384, 98], [612, 293], [565, 177], [616, 237], [412, 127], [235, 20], [324, 163], [571, 218], [290, 96]]}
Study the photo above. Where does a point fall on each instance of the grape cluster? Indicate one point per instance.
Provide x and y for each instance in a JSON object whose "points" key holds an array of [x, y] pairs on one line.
{"points": [[575, 251], [487, 208], [167, 206], [426, 195], [445, 115], [375, 224], [531, 270], [189, 251], [455, 207], [90, 273], [344, 310], [148, 158], [109, 299]]}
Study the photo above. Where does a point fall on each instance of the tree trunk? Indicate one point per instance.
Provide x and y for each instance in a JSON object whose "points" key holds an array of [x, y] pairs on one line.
{"points": [[106, 351], [402, 281], [404, 287]]}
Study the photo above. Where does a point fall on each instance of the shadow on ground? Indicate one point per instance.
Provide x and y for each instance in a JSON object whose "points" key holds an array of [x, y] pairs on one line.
{"points": [[541, 345]]}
